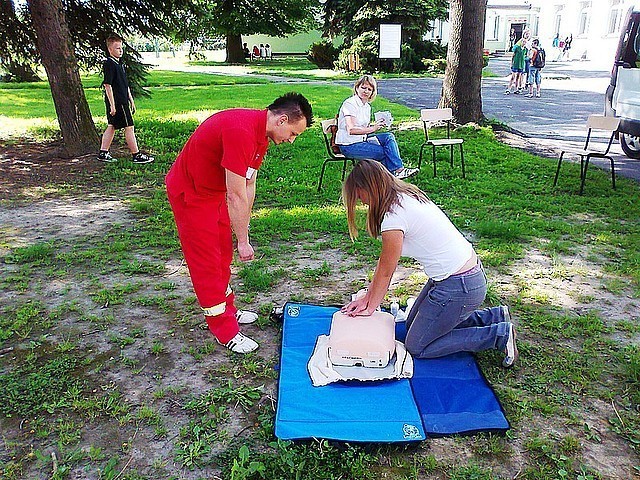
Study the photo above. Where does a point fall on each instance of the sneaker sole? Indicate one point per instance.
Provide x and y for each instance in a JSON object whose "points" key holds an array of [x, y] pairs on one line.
{"points": [[515, 349], [253, 349], [246, 322]]}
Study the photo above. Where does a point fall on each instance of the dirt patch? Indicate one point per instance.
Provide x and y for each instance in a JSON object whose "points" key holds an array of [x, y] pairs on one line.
{"points": [[29, 169], [532, 145]]}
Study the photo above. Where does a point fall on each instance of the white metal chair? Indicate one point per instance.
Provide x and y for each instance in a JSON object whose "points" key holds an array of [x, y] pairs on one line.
{"points": [[429, 117], [594, 122], [329, 129]]}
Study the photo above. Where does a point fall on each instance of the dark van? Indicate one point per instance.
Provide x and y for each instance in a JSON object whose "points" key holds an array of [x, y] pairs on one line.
{"points": [[623, 94]]}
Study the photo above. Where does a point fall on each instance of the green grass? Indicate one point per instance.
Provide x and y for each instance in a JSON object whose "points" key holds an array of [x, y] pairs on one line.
{"points": [[102, 332]]}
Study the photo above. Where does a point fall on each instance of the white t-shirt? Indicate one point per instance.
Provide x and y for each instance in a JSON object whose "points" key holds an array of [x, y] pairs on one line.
{"points": [[429, 237], [361, 113]]}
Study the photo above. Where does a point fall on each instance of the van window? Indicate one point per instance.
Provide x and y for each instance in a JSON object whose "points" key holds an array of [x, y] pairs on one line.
{"points": [[636, 47], [631, 43]]}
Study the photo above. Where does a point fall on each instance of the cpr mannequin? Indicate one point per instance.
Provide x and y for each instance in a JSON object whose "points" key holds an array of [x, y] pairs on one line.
{"points": [[367, 341]]}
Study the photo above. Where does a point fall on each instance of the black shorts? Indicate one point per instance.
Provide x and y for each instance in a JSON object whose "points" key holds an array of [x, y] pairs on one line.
{"points": [[122, 118]]}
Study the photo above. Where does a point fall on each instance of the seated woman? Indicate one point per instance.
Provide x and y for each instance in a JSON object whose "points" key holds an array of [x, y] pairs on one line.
{"points": [[445, 317], [356, 135]]}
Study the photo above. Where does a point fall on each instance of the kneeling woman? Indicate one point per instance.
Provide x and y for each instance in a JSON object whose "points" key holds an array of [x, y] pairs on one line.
{"points": [[445, 318], [357, 137]]}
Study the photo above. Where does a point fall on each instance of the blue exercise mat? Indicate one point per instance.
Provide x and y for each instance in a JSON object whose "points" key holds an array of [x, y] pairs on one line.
{"points": [[445, 396]]}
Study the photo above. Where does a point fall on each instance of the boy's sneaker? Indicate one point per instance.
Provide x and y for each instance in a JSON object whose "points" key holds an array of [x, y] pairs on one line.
{"points": [[529, 95], [142, 158], [507, 92], [511, 350], [244, 317], [537, 95], [106, 157], [405, 173], [240, 344]]}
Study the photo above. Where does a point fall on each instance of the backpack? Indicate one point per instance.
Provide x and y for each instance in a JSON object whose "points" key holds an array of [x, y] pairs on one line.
{"points": [[540, 59]]}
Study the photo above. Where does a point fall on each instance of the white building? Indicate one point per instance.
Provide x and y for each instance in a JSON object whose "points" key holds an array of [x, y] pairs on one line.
{"points": [[594, 24]]}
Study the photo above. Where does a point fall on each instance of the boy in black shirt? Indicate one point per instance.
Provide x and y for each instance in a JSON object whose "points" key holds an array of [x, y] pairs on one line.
{"points": [[119, 104]]}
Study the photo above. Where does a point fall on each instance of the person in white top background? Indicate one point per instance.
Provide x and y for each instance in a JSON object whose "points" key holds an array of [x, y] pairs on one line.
{"points": [[357, 137], [445, 317]]}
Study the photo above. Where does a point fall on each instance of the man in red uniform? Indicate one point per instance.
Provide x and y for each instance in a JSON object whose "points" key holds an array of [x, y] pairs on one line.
{"points": [[211, 188]]}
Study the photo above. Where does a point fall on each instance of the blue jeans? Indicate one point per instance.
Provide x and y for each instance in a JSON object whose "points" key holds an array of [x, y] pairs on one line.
{"points": [[444, 318], [386, 151]]}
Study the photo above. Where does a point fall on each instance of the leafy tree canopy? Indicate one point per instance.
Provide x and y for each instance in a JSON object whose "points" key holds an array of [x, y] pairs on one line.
{"points": [[233, 18], [90, 22], [352, 19]]}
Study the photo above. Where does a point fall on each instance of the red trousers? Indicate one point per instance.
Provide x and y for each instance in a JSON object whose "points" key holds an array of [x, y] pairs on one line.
{"points": [[205, 235]]}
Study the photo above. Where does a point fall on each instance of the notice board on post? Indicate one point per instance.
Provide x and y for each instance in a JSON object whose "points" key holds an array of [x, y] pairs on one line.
{"points": [[390, 39]]}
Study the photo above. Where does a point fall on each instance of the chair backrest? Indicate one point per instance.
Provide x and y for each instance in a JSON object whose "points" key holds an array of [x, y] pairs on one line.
{"points": [[329, 130], [601, 122], [436, 114], [433, 115]]}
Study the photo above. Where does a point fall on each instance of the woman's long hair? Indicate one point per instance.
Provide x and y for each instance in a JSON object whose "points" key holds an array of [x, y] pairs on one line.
{"points": [[383, 190]]}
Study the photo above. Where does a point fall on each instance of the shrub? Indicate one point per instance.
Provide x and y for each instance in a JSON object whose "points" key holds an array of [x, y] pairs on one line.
{"points": [[366, 47], [439, 65], [435, 65], [409, 61], [413, 52], [323, 54]]}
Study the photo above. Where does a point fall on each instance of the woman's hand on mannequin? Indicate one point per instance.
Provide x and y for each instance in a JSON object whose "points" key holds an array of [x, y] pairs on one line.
{"points": [[359, 307]]}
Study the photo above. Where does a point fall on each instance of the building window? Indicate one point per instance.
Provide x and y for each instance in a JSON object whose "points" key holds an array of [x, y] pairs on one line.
{"points": [[558, 19], [615, 16], [496, 27], [435, 30], [583, 20]]}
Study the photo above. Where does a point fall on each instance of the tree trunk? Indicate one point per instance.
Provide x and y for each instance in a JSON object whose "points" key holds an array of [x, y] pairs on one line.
{"points": [[461, 88], [235, 53], [58, 58]]}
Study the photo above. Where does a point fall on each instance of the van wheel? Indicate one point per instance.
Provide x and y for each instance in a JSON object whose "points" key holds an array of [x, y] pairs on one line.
{"points": [[630, 145]]}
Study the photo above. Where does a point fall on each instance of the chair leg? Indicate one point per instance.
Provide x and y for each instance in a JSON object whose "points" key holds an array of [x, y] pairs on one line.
{"points": [[462, 161], [451, 155], [613, 174], [584, 172], [344, 169], [555, 180], [420, 157], [324, 165], [433, 155]]}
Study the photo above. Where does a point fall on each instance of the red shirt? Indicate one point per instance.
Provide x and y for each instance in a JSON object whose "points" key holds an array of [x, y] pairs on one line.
{"points": [[234, 140]]}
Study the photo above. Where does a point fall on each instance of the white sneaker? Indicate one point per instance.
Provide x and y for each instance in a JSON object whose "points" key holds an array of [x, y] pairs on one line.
{"points": [[244, 317], [405, 173], [511, 352], [240, 344]]}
